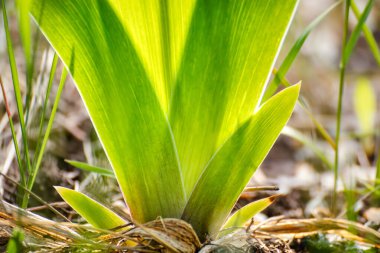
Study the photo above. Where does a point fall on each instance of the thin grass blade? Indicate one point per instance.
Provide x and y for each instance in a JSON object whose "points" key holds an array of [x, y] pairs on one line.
{"points": [[351, 43], [23, 7], [91, 168], [14, 136], [16, 87], [292, 54], [367, 34], [377, 175], [43, 113], [45, 139], [342, 73]]}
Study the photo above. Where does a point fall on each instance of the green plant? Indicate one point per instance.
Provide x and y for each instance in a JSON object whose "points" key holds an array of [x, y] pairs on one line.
{"points": [[348, 45], [28, 165], [173, 89]]}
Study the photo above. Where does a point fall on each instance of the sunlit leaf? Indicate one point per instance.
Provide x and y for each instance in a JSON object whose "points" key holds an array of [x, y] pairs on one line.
{"points": [[234, 163], [231, 48], [123, 106], [171, 87], [368, 35], [158, 31], [93, 212], [245, 214]]}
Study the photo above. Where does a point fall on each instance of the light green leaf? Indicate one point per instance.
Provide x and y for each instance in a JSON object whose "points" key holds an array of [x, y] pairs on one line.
{"points": [[158, 31], [169, 83], [91, 168], [234, 163], [365, 105], [230, 51], [93, 212], [244, 214], [123, 106]]}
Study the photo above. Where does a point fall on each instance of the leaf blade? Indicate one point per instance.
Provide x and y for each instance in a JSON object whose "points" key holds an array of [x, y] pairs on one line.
{"points": [[233, 165], [220, 83], [112, 82], [158, 31], [244, 214], [92, 211]]}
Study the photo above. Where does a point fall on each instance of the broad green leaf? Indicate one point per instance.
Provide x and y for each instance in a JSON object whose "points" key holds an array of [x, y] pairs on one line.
{"points": [[200, 65], [234, 163], [121, 101], [158, 31], [230, 51], [91, 168], [92, 211], [292, 54], [365, 105], [245, 214]]}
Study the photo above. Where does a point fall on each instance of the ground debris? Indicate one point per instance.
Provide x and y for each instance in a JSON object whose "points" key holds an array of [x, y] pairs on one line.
{"points": [[255, 245], [242, 241]]}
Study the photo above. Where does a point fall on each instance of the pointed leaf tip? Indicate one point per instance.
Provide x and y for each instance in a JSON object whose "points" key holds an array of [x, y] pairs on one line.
{"points": [[244, 214], [92, 211]]}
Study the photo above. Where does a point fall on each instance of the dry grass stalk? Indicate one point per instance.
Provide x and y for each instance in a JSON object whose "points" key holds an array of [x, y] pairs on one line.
{"points": [[304, 227]]}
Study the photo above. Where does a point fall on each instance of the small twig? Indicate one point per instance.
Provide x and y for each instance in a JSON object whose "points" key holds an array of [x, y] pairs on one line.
{"points": [[360, 232], [262, 188], [122, 226], [250, 225], [60, 204], [272, 219]]}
